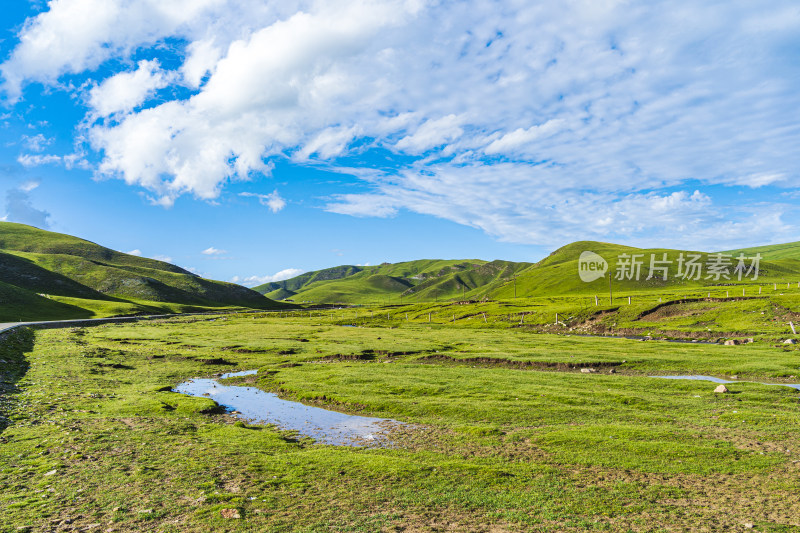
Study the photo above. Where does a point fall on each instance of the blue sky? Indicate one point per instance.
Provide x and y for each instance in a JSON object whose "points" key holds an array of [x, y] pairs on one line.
{"points": [[247, 139]]}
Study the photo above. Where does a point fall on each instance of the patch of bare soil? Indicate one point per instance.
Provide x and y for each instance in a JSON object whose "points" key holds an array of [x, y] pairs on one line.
{"points": [[510, 363]]}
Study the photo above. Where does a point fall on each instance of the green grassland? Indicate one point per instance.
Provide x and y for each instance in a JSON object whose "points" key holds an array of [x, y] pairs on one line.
{"points": [[555, 275], [771, 252], [505, 433], [48, 275]]}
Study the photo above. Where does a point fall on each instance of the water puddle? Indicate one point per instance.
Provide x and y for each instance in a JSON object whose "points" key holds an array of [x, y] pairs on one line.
{"points": [[260, 407], [726, 381]]}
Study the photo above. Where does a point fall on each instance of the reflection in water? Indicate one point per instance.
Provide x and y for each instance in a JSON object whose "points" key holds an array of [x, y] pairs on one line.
{"points": [[725, 381], [257, 406]]}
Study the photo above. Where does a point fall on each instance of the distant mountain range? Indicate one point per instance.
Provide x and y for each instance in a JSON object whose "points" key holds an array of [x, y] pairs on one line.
{"points": [[46, 275], [51, 275], [557, 274]]}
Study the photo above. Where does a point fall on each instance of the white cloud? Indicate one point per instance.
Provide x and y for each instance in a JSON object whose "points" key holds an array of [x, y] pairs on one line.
{"points": [[213, 251], [533, 122], [272, 200], [127, 90], [36, 143], [165, 258], [35, 160], [510, 142], [201, 59], [524, 207], [432, 133], [135, 252], [252, 281], [28, 186], [75, 35]]}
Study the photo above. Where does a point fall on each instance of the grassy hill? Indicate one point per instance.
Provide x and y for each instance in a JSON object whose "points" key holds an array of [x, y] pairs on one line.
{"points": [[49, 275], [420, 280], [557, 274], [790, 250]]}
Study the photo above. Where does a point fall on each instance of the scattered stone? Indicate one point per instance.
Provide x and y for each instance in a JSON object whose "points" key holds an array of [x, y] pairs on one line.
{"points": [[735, 377], [748, 525], [50, 473], [230, 513], [588, 370], [612, 371], [146, 511], [721, 389], [750, 340], [732, 342], [790, 341]]}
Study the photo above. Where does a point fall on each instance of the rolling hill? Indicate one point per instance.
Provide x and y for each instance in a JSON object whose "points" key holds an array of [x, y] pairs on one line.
{"points": [[52, 275], [790, 250], [421, 280], [556, 274]]}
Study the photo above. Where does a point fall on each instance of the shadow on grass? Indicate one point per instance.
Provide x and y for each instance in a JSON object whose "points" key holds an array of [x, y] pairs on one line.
{"points": [[13, 365]]}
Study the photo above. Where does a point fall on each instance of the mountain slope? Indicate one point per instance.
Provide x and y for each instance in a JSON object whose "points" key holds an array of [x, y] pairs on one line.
{"points": [[61, 266], [420, 280], [771, 252], [557, 274]]}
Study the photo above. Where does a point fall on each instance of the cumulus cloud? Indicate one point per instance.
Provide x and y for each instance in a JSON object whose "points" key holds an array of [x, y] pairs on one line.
{"points": [[127, 90], [19, 207], [213, 251], [272, 200], [533, 122], [252, 281], [135, 252], [76, 35]]}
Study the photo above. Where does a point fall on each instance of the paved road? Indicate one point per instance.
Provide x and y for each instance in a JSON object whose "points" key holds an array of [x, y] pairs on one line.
{"points": [[80, 322], [77, 322]]}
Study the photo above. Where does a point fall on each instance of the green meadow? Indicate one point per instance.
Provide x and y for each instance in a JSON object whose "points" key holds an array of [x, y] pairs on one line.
{"points": [[511, 422]]}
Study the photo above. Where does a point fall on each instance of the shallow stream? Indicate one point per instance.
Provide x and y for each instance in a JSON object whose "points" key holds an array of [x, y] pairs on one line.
{"points": [[256, 406]]}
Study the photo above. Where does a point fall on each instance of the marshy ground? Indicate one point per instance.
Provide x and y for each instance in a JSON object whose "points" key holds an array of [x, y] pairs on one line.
{"points": [[505, 433]]}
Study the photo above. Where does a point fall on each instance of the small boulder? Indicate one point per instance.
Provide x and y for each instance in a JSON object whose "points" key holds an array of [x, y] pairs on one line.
{"points": [[732, 342], [721, 389], [612, 371], [790, 341], [588, 370]]}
